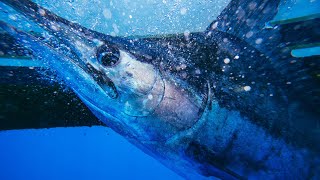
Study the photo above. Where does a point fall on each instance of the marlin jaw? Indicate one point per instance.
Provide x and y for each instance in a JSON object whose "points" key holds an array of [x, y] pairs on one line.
{"points": [[125, 90]]}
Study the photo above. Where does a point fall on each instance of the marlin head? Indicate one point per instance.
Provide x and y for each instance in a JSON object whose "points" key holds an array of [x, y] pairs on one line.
{"points": [[124, 90]]}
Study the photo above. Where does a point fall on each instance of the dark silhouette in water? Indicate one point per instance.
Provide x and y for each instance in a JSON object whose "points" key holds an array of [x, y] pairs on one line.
{"points": [[230, 102]]}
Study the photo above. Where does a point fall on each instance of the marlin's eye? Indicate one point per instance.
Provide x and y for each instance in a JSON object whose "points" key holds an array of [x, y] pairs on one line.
{"points": [[108, 55]]}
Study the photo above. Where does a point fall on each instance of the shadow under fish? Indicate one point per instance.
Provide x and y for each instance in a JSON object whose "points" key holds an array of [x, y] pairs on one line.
{"points": [[230, 102]]}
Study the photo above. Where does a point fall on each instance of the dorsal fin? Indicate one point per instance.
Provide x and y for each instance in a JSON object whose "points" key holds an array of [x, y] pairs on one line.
{"points": [[252, 22], [247, 20], [285, 90]]}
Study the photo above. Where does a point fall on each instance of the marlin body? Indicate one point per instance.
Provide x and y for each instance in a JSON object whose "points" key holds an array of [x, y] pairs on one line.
{"points": [[207, 105]]}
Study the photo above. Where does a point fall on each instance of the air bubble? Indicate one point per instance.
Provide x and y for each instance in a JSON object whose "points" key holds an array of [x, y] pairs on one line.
{"points": [[259, 41], [107, 13], [13, 17], [214, 26], [249, 34], [183, 11], [247, 88], [150, 97], [42, 12]]}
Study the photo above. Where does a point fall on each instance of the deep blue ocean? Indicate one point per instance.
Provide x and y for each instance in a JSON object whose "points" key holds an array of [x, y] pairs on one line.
{"points": [[98, 152]]}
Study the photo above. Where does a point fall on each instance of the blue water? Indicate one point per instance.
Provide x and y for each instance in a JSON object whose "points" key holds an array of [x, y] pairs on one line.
{"points": [[128, 18], [98, 152], [74, 153]]}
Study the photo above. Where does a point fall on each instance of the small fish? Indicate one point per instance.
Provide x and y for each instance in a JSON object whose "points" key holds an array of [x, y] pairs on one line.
{"points": [[230, 102]]}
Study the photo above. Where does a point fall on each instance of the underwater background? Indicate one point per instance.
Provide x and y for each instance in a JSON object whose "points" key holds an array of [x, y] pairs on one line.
{"points": [[95, 152]]}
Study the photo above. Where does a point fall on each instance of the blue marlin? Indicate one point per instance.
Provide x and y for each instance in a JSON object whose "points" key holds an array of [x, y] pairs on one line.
{"points": [[230, 102]]}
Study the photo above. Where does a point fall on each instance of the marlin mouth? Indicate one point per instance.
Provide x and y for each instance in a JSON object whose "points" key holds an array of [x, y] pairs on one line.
{"points": [[104, 82]]}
